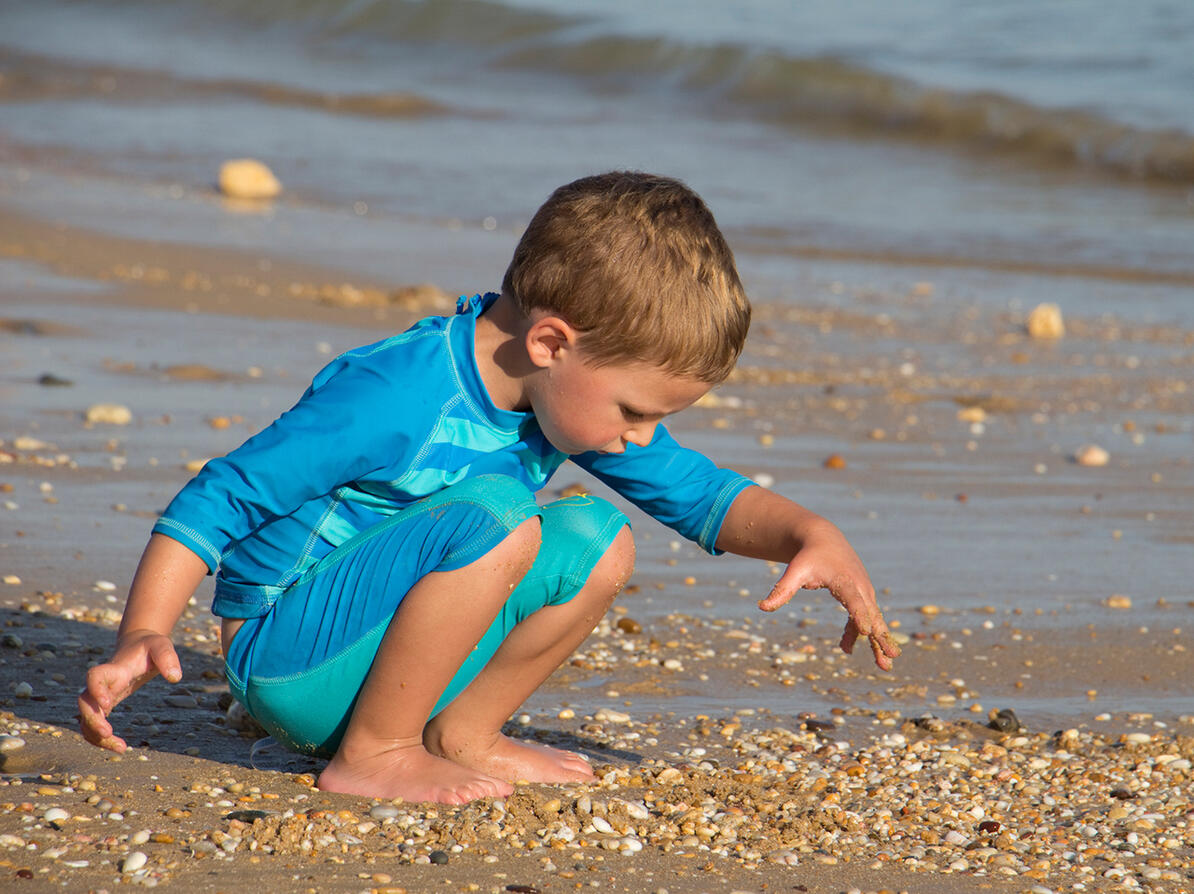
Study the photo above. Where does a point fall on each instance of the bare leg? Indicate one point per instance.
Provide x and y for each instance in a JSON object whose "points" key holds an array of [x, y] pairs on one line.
{"points": [[468, 731], [437, 624]]}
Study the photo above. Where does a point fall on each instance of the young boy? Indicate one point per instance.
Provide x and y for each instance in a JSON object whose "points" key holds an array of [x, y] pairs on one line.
{"points": [[390, 590]]}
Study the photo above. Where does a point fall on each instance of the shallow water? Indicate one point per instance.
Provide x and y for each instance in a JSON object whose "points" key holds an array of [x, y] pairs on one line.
{"points": [[983, 134]]}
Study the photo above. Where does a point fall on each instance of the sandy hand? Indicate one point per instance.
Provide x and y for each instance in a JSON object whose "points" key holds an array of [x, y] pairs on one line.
{"points": [[140, 656]]}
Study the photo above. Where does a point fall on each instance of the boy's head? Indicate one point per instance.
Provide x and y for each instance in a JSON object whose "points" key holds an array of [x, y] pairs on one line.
{"points": [[637, 265]]}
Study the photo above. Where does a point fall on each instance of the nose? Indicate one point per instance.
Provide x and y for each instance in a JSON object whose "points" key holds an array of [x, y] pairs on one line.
{"points": [[640, 434]]}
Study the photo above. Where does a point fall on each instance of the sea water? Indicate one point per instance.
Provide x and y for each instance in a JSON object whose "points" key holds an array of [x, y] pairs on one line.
{"points": [[1054, 139]]}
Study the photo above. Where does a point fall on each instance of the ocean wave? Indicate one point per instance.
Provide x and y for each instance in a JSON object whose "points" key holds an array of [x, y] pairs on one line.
{"points": [[26, 77], [727, 80], [827, 93]]}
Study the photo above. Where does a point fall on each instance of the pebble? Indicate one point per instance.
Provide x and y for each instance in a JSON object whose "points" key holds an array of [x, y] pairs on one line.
{"points": [[629, 625], [1091, 455], [972, 414], [134, 861], [1046, 322], [608, 715], [248, 178], [11, 743], [55, 815], [108, 414], [1118, 600]]}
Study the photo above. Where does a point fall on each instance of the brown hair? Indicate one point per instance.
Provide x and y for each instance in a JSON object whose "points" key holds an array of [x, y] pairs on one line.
{"points": [[636, 263]]}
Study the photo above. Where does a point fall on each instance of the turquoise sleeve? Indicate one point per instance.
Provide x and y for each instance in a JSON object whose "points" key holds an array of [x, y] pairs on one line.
{"points": [[682, 488], [332, 435]]}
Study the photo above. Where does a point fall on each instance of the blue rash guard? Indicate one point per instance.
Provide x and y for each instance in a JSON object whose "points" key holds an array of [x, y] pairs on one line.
{"points": [[383, 426]]}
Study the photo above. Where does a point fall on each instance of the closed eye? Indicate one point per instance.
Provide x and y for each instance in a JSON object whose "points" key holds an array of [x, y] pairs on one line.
{"points": [[632, 415]]}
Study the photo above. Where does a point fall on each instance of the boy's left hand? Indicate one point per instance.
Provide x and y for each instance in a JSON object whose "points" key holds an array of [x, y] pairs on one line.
{"points": [[826, 560]]}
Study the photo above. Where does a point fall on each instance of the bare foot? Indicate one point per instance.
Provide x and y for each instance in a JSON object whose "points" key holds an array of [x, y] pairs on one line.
{"points": [[410, 773], [515, 760]]}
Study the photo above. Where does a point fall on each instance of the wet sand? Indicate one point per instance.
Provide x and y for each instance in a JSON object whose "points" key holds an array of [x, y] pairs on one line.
{"points": [[737, 751]]}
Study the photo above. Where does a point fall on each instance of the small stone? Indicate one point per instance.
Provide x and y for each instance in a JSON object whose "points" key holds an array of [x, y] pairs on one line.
{"points": [[11, 743], [439, 858], [1091, 455], [608, 715], [23, 690], [1045, 321], [109, 414], [53, 381], [1118, 600], [930, 611], [12, 579], [383, 811], [566, 714], [1004, 721], [573, 490], [834, 461], [972, 414], [55, 815], [246, 816], [248, 178], [629, 625], [133, 862]]}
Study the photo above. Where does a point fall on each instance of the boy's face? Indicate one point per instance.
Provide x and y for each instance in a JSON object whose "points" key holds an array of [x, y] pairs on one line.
{"points": [[581, 407]]}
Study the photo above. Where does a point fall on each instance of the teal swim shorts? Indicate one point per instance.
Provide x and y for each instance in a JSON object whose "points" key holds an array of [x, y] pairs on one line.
{"points": [[298, 668]]}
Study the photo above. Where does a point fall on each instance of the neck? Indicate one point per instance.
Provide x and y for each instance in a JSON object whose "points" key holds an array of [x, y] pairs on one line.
{"points": [[500, 349]]}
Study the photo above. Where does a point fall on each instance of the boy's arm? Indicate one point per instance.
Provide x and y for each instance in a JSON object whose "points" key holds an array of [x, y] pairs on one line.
{"points": [[166, 577], [763, 525]]}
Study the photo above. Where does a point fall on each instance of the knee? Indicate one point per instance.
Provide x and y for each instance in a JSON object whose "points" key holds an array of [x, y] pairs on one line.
{"points": [[522, 545], [614, 569]]}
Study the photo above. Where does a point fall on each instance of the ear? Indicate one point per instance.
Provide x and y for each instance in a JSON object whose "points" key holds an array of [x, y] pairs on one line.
{"points": [[549, 339]]}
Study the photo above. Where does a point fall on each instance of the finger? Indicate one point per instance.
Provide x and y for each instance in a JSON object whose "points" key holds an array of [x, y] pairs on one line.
{"points": [[94, 725], [165, 659], [887, 643], [789, 583], [879, 651], [849, 637]]}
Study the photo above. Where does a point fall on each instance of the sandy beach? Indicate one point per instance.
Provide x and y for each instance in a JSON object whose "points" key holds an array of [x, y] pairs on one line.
{"points": [[735, 751]]}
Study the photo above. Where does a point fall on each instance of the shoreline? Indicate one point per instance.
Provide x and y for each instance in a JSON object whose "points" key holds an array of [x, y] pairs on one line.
{"points": [[185, 365]]}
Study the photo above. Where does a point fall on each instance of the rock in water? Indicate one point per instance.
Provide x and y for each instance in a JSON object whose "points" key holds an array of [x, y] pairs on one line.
{"points": [[109, 414], [247, 178], [1092, 455], [1046, 321]]}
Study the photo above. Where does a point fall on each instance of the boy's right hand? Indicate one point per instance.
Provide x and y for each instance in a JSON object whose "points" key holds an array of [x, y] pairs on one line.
{"points": [[140, 656]]}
